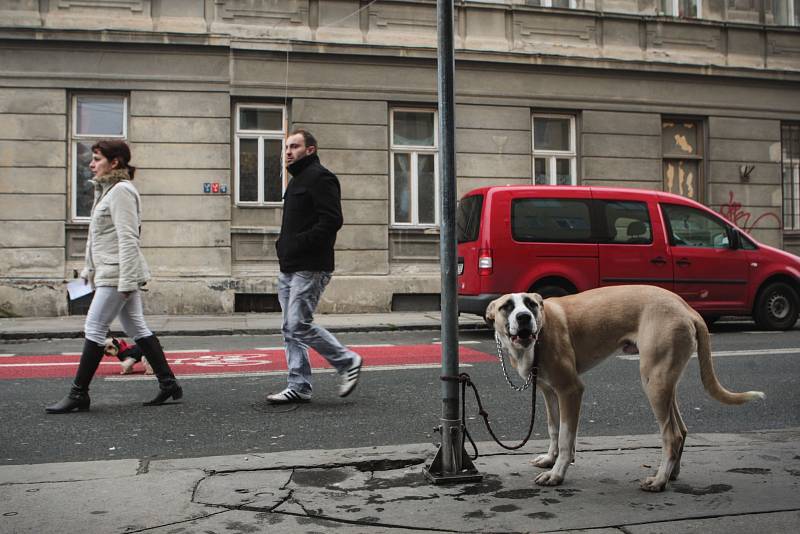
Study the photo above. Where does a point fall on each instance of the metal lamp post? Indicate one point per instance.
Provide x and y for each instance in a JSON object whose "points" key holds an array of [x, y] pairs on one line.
{"points": [[451, 463]]}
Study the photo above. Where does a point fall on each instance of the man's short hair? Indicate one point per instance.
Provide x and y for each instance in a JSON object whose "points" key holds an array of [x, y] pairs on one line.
{"points": [[309, 139]]}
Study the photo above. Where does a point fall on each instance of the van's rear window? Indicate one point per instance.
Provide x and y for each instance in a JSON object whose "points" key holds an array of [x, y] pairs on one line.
{"points": [[551, 220], [468, 218]]}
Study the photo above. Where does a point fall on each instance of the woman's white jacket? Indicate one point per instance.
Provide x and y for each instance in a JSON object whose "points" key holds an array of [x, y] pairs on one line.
{"points": [[113, 255]]}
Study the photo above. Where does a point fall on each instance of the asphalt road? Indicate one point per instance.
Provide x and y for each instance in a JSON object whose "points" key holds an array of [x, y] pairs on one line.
{"points": [[227, 414]]}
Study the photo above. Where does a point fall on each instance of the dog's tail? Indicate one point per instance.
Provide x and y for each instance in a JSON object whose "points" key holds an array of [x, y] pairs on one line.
{"points": [[707, 375]]}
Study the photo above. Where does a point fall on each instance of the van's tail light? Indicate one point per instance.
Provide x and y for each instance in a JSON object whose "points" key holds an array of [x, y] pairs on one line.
{"points": [[485, 261]]}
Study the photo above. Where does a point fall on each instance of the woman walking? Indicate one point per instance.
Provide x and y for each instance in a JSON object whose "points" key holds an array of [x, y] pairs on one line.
{"points": [[117, 269]]}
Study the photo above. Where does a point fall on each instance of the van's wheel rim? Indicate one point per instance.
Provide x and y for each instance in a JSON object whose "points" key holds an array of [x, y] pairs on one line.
{"points": [[779, 306]]}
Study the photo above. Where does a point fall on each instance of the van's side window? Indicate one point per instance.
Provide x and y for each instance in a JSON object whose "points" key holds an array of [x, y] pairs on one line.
{"points": [[551, 220], [690, 227], [626, 222], [468, 218]]}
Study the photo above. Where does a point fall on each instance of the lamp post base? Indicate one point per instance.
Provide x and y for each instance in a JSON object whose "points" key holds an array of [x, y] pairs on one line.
{"points": [[451, 464]]}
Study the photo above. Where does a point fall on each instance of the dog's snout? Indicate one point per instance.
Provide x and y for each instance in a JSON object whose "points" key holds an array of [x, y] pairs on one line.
{"points": [[524, 318]]}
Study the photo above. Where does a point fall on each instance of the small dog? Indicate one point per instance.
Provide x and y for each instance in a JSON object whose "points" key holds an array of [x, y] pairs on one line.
{"points": [[128, 355], [574, 333]]}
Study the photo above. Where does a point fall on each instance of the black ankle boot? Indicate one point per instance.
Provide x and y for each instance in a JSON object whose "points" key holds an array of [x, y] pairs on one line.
{"points": [[168, 386], [166, 391], [76, 399]]}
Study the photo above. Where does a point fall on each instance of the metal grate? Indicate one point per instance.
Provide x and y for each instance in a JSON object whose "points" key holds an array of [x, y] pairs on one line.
{"points": [[256, 302], [790, 170], [81, 305], [407, 302]]}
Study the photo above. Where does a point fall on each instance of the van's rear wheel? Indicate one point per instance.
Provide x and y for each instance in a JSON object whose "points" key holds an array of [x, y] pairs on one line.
{"points": [[550, 290], [776, 307]]}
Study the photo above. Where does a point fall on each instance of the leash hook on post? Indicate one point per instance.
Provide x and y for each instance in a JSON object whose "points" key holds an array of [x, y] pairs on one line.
{"points": [[451, 463]]}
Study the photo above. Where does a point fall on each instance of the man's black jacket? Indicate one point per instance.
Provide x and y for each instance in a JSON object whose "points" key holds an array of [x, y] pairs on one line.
{"points": [[312, 214]]}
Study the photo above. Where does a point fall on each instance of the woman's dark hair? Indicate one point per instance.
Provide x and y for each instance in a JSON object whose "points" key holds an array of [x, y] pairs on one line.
{"points": [[117, 149]]}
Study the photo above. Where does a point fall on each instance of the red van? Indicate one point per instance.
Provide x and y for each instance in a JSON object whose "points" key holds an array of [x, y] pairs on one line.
{"points": [[557, 241]]}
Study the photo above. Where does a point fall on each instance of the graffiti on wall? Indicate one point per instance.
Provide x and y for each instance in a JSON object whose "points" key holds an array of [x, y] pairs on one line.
{"points": [[735, 213]]}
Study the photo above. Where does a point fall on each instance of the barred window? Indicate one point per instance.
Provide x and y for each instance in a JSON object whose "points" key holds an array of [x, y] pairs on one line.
{"points": [[790, 170]]}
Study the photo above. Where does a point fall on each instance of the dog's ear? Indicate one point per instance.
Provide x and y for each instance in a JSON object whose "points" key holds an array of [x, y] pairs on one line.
{"points": [[491, 310], [538, 298]]}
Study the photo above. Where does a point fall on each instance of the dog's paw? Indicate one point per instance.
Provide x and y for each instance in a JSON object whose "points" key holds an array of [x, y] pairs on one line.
{"points": [[652, 484], [544, 460], [549, 478]]}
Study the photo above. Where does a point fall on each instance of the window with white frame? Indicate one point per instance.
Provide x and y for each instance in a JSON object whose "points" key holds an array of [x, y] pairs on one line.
{"points": [[682, 8], [787, 12], [94, 117], [414, 170], [570, 4], [260, 134], [554, 157]]}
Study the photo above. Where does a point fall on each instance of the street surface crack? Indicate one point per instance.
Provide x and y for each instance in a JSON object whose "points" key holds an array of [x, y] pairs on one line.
{"points": [[37, 483], [144, 466], [364, 466], [363, 522], [206, 516]]}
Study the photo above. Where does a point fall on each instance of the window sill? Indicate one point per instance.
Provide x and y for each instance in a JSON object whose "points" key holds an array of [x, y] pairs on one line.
{"points": [[259, 206], [255, 230], [430, 230]]}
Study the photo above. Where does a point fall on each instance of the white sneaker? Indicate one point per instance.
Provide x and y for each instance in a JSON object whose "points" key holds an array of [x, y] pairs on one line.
{"points": [[147, 369], [288, 396], [350, 377]]}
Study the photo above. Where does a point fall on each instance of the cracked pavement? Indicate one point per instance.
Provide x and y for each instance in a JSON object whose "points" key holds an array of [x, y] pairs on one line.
{"points": [[729, 483]]}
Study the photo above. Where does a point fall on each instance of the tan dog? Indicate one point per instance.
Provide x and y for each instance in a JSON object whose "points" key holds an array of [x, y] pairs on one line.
{"points": [[574, 333]]}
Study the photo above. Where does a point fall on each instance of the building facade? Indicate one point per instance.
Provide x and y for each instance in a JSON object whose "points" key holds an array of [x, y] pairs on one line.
{"points": [[696, 97]]}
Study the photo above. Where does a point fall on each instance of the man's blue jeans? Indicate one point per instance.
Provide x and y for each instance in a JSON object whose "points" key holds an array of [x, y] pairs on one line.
{"points": [[299, 294]]}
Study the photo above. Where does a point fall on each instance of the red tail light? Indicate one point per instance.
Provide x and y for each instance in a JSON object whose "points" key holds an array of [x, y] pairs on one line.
{"points": [[485, 261]]}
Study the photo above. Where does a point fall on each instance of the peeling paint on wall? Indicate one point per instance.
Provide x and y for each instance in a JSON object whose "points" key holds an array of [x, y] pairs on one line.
{"points": [[684, 145], [685, 184]]}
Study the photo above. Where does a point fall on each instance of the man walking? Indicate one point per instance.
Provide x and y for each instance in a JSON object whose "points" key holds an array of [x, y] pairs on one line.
{"points": [[312, 214]]}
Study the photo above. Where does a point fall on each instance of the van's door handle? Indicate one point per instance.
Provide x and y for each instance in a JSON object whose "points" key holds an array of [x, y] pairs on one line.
{"points": [[658, 260], [683, 262]]}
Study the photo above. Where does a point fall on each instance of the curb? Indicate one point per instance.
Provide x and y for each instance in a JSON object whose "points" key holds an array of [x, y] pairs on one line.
{"points": [[21, 336]]}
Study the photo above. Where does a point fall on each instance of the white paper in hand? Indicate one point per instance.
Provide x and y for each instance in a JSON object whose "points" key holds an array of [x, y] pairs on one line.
{"points": [[78, 288]]}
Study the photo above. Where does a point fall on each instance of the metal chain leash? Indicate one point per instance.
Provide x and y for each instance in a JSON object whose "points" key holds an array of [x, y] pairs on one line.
{"points": [[465, 380], [530, 378]]}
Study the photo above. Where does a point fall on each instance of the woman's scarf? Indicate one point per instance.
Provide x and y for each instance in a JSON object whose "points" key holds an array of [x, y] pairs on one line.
{"points": [[111, 178]]}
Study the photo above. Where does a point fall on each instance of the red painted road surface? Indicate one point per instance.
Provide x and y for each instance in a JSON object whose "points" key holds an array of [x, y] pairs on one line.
{"points": [[239, 361]]}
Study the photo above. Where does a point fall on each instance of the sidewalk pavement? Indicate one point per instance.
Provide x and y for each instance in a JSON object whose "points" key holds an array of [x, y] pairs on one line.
{"points": [[729, 483], [232, 324]]}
